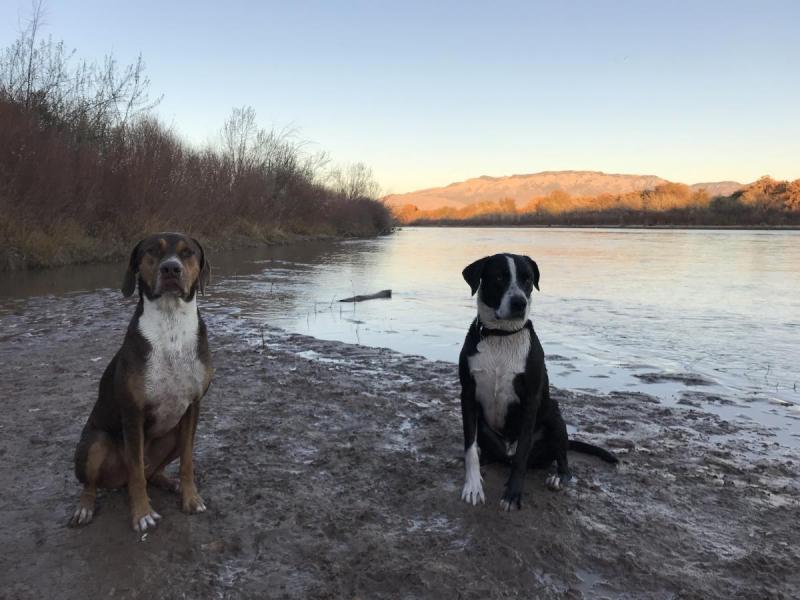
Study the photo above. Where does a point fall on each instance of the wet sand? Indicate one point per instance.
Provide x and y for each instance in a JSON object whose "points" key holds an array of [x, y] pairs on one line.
{"points": [[334, 471]]}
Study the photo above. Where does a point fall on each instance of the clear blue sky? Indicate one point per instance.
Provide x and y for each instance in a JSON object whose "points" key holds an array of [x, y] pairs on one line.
{"points": [[433, 92]]}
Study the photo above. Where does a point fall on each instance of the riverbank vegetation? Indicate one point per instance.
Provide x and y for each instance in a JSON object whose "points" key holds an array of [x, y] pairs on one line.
{"points": [[86, 168], [766, 202]]}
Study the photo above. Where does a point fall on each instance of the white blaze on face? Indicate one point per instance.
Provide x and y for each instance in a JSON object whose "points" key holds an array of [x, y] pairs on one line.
{"points": [[504, 310]]}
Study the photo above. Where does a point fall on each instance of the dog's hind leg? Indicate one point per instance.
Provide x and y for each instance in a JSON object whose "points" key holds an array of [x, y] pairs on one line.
{"points": [[160, 480], [158, 454], [542, 454], [559, 442]]}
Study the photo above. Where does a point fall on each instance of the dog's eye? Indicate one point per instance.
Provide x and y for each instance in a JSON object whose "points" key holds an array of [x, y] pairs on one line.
{"points": [[186, 253]]}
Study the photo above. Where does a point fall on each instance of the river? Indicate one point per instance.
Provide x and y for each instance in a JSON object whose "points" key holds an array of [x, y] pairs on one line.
{"points": [[694, 317]]}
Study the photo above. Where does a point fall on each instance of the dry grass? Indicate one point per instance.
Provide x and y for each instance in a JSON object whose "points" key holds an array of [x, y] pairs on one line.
{"points": [[66, 199]]}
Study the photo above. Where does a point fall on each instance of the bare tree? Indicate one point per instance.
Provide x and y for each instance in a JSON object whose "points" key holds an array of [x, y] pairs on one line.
{"points": [[238, 135], [278, 154], [355, 181], [40, 74]]}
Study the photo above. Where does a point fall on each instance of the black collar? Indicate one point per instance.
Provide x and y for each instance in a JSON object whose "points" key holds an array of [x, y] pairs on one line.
{"points": [[484, 332]]}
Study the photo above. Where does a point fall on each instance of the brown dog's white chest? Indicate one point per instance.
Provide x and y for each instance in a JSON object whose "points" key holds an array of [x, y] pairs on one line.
{"points": [[174, 373]]}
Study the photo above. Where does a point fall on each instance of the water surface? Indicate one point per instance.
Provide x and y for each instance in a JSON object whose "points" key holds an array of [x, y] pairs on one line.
{"points": [[723, 306]]}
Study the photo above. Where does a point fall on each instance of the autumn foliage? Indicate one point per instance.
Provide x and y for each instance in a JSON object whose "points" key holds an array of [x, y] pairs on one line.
{"points": [[765, 202]]}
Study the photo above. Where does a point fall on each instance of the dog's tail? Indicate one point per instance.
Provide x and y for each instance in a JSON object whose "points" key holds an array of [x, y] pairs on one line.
{"points": [[593, 450]]}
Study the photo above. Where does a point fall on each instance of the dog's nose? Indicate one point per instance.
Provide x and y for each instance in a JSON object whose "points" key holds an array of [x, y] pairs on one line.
{"points": [[171, 268], [518, 304]]}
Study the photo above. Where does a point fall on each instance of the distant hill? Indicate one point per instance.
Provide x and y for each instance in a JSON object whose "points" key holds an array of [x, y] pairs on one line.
{"points": [[523, 188], [718, 188]]}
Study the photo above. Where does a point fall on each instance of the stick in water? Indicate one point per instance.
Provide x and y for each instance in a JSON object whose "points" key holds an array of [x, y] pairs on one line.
{"points": [[381, 294]]}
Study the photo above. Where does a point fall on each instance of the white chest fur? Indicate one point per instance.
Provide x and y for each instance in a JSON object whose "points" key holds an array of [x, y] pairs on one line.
{"points": [[174, 374], [498, 361]]}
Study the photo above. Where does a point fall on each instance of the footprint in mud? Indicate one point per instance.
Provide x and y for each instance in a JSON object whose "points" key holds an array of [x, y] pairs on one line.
{"points": [[695, 398], [557, 358], [684, 378]]}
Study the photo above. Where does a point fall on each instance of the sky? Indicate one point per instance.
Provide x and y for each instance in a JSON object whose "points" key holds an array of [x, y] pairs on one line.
{"points": [[428, 93]]}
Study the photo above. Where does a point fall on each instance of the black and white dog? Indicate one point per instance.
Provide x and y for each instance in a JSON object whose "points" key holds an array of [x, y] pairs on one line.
{"points": [[505, 394]]}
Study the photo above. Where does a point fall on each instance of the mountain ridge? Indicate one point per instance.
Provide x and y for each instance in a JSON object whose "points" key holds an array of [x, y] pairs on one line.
{"points": [[524, 187]]}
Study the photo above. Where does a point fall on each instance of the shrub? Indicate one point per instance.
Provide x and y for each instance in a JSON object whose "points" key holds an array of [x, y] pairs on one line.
{"points": [[85, 169]]}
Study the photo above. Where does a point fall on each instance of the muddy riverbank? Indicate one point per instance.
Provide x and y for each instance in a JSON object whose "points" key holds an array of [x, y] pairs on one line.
{"points": [[333, 470]]}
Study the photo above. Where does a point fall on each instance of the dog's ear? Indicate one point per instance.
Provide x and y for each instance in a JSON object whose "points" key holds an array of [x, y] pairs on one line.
{"points": [[205, 269], [129, 283], [473, 273], [535, 268]]}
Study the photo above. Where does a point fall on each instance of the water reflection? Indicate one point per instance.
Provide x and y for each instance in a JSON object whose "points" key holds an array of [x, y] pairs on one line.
{"points": [[614, 304]]}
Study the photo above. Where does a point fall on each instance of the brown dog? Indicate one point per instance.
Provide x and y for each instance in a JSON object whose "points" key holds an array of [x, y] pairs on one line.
{"points": [[146, 412]]}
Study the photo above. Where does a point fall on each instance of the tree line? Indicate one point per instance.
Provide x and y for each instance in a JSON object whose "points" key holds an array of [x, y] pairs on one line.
{"points": [[86, 167], [766, 202]]}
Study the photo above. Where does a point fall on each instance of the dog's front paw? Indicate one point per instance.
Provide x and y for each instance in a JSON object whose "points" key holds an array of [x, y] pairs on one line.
{"points": [[511, 501], [473, 492], [192, 503], [145, 520], [512, 497], [558, 482]]}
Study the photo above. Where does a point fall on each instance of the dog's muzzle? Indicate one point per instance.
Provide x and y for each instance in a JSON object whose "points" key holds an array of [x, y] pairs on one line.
{"points": [[518, 304], [515, 309], [170, 276]]}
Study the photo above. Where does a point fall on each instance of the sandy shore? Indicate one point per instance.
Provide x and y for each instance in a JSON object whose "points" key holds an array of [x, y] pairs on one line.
{"points": [[334, 471]]}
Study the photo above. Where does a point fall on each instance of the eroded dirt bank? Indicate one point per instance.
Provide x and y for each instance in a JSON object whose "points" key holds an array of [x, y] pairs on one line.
{"points": [[333, 470]]}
